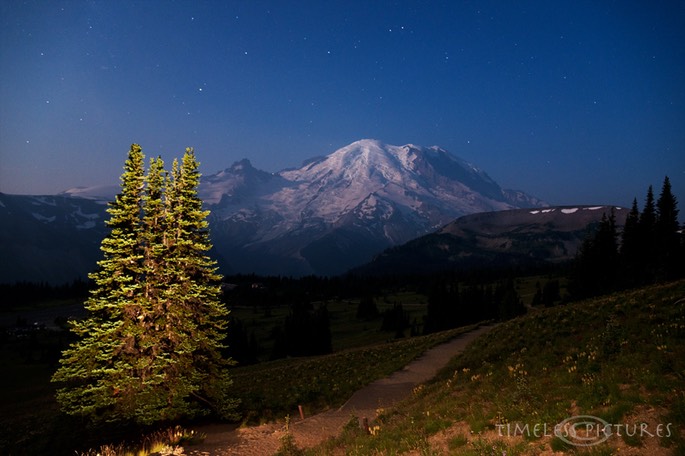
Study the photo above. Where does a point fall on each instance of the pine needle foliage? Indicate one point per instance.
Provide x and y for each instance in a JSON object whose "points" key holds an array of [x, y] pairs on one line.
{"points": [[150, 348]]}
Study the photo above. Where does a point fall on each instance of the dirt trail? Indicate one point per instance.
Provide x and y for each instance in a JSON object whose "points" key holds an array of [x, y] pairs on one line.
{"points": [[265, 440]]}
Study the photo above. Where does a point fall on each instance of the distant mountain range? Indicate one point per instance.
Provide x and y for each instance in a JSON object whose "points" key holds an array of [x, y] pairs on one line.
{"points": [[53, 239], [519, 238], [331, 214]]}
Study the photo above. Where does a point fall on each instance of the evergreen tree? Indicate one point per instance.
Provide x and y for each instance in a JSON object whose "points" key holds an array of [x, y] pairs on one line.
{"points": [[96, 368], [606, 245], [150, 348], [667, 242], [647, 235], [367, 309], [509, 303], [630, 247], [242, 348], [395, 319], [322, 342], [444, 310], [306, 331], [550, 293], [193, 318], [596, 266], [537, 298]]}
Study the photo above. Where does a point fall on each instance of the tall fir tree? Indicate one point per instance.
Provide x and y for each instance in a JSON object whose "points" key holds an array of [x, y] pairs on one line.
{"points": [[150, 349], [96, 368], [597, 262], [508, 301], [630, 247], [196, 318], [149, 366], [647, 235], [667, 239]]}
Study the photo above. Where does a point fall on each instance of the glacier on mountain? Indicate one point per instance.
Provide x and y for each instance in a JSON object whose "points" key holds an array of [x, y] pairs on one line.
{"points": [[330, 214], [365, 196]]}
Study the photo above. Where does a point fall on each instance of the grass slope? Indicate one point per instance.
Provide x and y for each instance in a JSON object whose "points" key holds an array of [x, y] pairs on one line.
{"points": [[31, 423], [619, 358], [272, 390]]}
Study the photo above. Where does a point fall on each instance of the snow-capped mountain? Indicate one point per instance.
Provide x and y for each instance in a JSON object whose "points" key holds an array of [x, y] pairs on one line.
{"points": [[337, 211], [330, 214], [53, 239]]}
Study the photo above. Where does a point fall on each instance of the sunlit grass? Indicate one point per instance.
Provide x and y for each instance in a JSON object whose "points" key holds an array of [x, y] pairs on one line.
{"points": [[167, 442]]}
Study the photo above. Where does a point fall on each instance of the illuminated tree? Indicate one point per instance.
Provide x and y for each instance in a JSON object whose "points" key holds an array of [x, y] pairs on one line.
{"points": [[194, 315], [150, 348]]}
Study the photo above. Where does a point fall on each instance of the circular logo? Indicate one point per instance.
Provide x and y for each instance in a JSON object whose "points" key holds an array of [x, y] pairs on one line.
{"points": [[583, 430]]}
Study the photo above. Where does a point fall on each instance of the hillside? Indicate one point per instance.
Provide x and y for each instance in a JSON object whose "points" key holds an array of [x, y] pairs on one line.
{"points": [[619, 358], [615, 363], [54, 239], [518, 238]]}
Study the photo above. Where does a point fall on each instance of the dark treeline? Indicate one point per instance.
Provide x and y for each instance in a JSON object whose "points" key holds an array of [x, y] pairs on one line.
{"points": [[268, 291], [453, 301], [651, 248], [451, 304], [306, 331], [21, 294], [252, 290]]}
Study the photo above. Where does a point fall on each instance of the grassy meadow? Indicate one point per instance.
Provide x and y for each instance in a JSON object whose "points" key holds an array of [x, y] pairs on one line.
{"points": [[31, 423], [620, 358]]}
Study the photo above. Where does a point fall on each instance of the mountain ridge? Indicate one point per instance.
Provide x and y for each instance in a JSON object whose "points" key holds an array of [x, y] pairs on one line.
{"points": [[519, 238], [365, 196], [330, 214]]}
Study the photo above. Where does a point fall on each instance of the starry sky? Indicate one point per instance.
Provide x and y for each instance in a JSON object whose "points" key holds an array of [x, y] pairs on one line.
{"points": [[575, 102]]}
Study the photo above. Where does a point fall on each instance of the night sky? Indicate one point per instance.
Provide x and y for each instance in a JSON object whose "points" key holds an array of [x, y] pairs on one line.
{"points": [[575, 102]]}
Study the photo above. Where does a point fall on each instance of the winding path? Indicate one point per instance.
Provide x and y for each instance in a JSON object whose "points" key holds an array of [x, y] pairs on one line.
{"points": [[225, 439]]}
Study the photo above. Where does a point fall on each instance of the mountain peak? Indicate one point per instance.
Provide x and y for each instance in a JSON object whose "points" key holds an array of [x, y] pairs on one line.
{"points": [[241, 165], [336, 210], [367, 142], [330, 214]]}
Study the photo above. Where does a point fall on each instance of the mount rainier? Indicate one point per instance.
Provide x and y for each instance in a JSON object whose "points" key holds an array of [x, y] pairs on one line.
{"points": [[337, 211], [325, 217]]}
